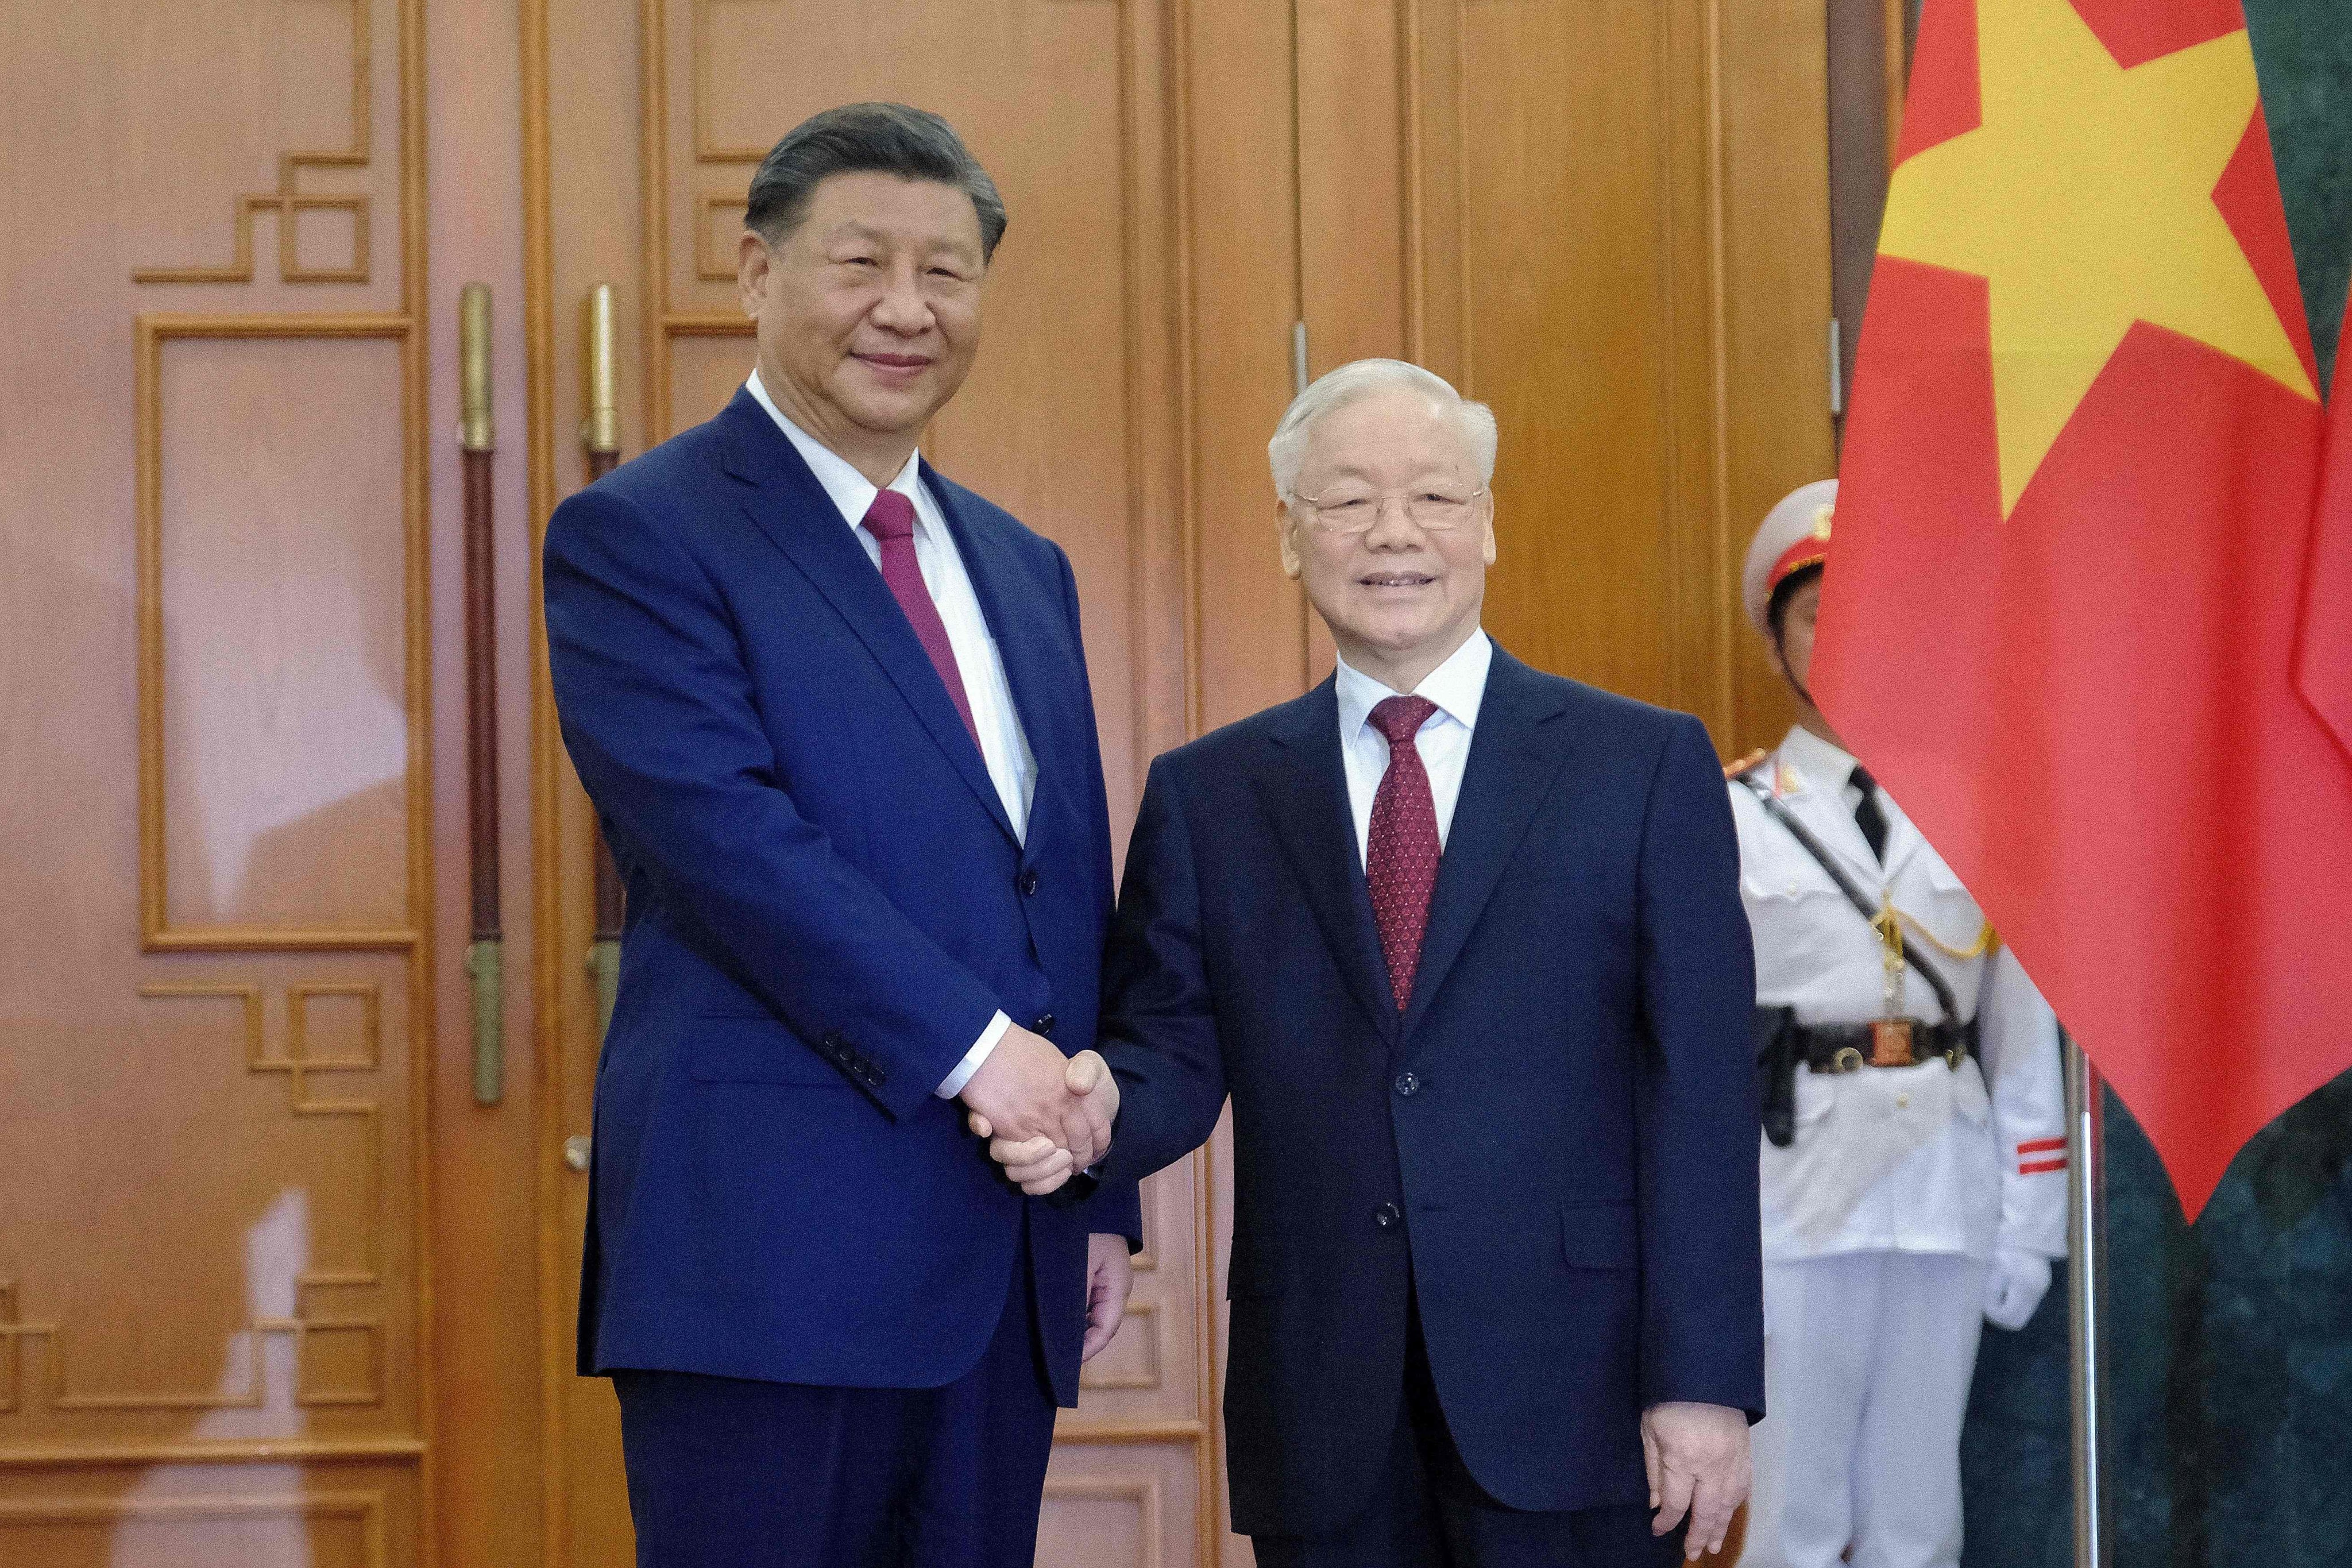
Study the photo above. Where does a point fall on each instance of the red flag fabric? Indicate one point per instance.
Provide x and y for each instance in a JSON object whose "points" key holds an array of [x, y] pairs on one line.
{"points": [[2325, 670], [2061, 615]]}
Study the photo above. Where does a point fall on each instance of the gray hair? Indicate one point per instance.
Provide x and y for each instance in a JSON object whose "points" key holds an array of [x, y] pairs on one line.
{"points": [[863, 139], [1351, 382]]}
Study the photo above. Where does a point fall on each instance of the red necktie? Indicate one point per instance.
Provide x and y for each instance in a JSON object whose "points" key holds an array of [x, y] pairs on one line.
{"points": [[1402, 850], [891, 521]]}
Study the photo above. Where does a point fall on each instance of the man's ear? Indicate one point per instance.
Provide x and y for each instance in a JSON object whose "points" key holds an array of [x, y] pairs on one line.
{"points": [[1773, 655], [1286, 534], [754, 267]]}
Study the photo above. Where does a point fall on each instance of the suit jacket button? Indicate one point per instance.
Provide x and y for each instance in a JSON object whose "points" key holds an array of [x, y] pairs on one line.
{"points": [[1388, 1217], [1408, 1085], [1044, 1025], [1029, 882]]}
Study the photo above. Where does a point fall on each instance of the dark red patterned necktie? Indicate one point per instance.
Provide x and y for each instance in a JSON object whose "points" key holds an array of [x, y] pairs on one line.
{"points": [[891, 521], [1402, 850]]}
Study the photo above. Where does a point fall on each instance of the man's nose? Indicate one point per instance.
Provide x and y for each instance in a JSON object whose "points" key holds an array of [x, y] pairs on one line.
{"points": [[902, 307], [1393, 527]]}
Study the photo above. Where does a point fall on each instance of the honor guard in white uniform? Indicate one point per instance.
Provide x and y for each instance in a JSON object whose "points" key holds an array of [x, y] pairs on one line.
{"points": [[1915, 1142]]}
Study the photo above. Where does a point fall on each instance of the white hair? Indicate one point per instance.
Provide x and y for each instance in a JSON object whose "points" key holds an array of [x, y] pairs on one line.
{"points": [[1352, 383]]}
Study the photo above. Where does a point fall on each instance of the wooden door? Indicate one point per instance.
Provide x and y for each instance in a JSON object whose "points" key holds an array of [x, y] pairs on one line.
{"points": [[234, 1091]]}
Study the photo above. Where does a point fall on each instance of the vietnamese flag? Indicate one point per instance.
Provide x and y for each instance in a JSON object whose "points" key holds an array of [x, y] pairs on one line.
{"points": [[2326, 670], [2061, 611]]}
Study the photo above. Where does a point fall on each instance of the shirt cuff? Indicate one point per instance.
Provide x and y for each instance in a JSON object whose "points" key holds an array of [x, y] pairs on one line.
{"points": [[953, 1085]]}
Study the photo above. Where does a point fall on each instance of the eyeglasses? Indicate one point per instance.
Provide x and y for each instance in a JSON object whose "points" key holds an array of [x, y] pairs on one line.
{"points": [[1432, 509]]}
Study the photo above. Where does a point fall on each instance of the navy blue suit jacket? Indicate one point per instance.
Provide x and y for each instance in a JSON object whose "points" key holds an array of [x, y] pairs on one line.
{"points": [[826, 905], [1554, 1146]]}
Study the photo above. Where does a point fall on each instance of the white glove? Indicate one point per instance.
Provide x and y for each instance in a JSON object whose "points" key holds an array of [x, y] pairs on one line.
{"points": [[2014, 1286]]}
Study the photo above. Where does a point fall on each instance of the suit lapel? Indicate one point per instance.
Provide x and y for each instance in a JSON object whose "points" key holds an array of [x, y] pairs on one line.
{"points": [[794, 510], [1514, 755], [1304, 790]]}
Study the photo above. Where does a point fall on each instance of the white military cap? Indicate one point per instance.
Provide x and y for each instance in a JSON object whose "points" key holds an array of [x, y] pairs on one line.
{"points": [[1795, 535]]}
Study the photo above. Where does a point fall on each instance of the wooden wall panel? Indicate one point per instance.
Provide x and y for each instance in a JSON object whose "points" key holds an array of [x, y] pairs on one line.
{"points": [[1775, 258], [212, 1081], [585, 106], [1600, 218], [1573, 246], [1112, 1507], [284, 725], [345, 1514], [1247, 635]]}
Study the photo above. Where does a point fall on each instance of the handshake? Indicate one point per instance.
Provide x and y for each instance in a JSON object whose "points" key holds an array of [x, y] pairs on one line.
{"points": [[1046, 1116]]}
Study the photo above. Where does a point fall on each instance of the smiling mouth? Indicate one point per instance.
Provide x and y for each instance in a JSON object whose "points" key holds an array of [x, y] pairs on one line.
{"points": [[1396, 580], [895, 364]]}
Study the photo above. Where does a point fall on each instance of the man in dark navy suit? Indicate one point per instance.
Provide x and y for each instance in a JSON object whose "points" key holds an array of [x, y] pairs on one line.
{"points": [[1464, 943], [833, 712]]}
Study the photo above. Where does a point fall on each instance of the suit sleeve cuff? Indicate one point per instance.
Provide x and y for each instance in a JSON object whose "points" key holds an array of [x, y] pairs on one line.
{"points": [[953, 1085]]}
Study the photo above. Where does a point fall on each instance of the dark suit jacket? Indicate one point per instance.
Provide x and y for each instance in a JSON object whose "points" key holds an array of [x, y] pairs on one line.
{"points": [[826, 903], [1555, 1147]]}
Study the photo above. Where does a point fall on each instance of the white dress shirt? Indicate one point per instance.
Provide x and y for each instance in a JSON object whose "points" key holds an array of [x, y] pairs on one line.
{"points": [[1012, 766], [1457, 687]]}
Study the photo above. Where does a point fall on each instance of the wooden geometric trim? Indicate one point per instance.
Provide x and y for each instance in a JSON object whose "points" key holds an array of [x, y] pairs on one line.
{"points": [[704, 151], [1142, 1490], [364, 1508], [288, 198], [296, 1064], [279, 938], [708, 266], [707, 324], [156, 932], [310, 1397], [299, 1062], [1145, 1316], [234, 1451], [255, 1396], [298, 1015], [286, 204]]}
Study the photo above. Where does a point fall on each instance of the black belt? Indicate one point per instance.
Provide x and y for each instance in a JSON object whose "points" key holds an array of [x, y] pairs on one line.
{"points": [[1849, 1047]]}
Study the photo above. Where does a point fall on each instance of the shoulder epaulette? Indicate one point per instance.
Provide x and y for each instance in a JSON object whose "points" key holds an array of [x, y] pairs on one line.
{"points": [[1746, 765]]}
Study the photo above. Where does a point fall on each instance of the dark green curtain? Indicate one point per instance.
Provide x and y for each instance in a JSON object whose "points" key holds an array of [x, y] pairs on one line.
{"points": [[2231, 1356]]}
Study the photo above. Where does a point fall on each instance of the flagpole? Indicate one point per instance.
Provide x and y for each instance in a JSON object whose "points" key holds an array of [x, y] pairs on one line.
{"points": [[2086, 1299]]}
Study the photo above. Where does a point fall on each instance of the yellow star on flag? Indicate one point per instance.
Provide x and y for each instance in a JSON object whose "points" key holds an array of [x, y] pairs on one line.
{"points": [[2084, 198]]}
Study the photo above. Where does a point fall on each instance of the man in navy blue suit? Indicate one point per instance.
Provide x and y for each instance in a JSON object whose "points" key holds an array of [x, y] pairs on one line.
{"points": [[833, 710], [1463, 944]]}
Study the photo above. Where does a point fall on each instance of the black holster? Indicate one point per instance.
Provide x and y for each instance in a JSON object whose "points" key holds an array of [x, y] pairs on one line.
{"points": [[1774, 1032]]}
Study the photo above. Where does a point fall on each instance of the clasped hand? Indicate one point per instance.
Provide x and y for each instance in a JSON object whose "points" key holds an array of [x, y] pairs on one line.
{"points": [[1046, 1115]]}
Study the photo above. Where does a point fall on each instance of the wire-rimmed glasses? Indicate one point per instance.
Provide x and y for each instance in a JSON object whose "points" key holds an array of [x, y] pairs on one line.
{"points": [[1433, 508]]}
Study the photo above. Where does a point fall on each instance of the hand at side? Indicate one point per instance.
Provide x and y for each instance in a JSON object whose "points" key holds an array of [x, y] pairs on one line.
{"points": [[1041, 1161], [1697, 1458], [1111, 1277]]}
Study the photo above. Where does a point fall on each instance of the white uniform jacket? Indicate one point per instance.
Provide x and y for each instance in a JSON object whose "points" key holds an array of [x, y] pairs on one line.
{"points": [[1918, 1158]]}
